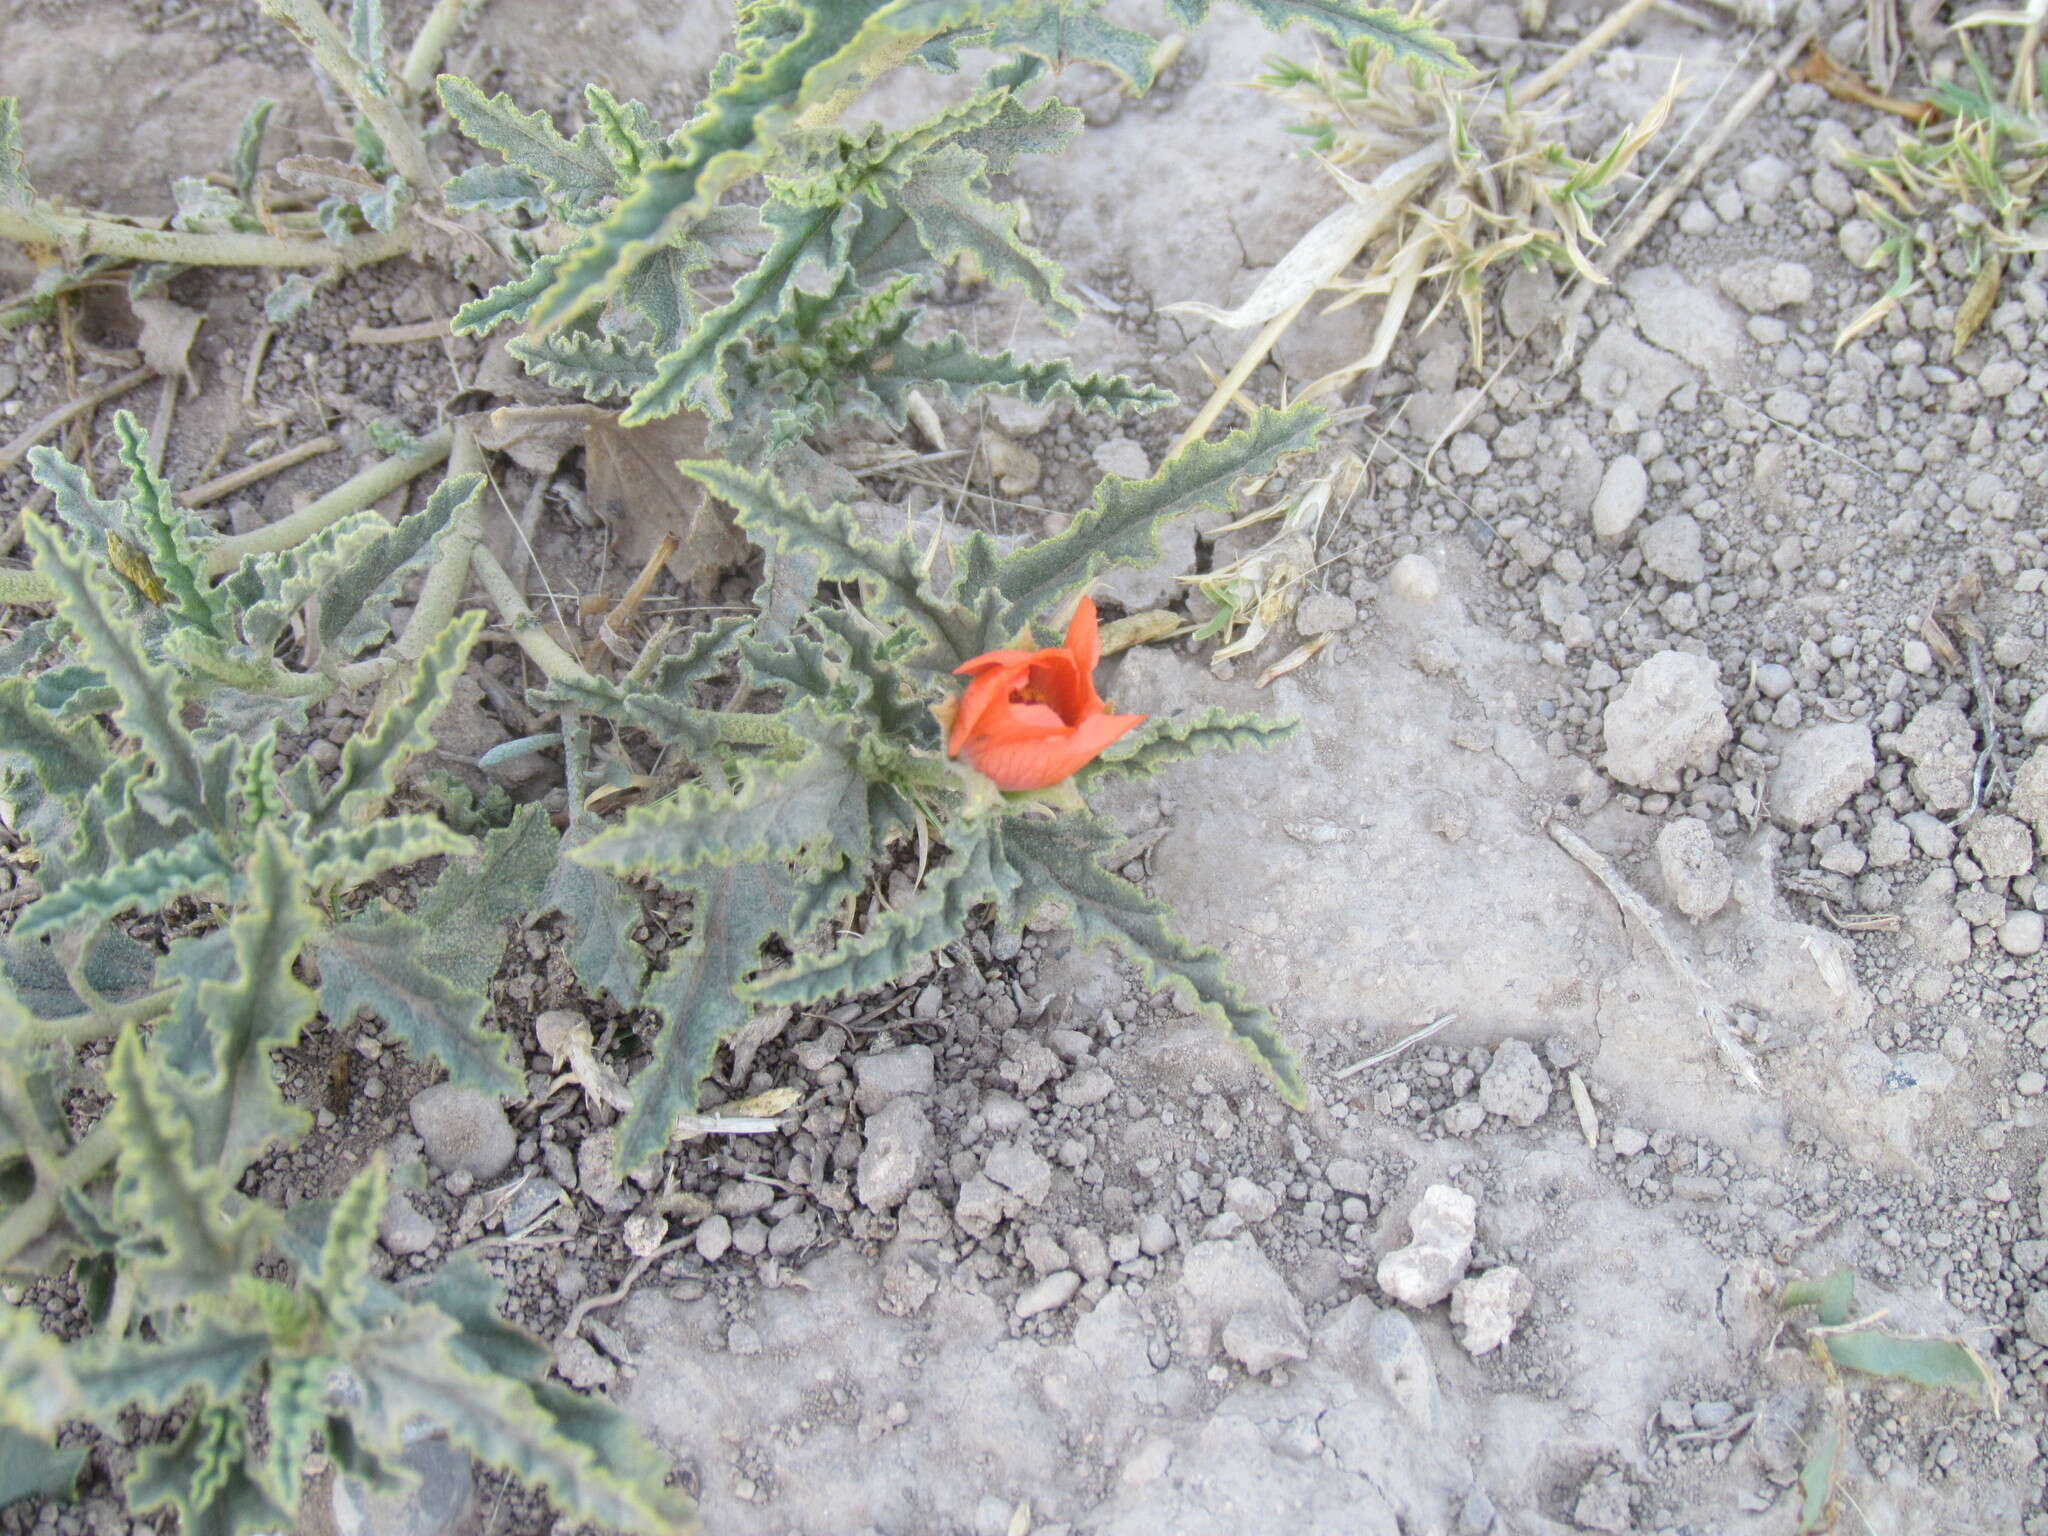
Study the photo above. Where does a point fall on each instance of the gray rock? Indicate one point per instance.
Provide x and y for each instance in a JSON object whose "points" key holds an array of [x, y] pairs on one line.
{"points": [[1089, 1086], [531, 1201], [980, 1206], [1441, 1226], [1400, 1358], [1671, 547], [2036, 1317], [1324, 613], [597, 1171], [886, 1075], [1931, 835], [1137, 588], [1760, 284], [1941, 744], [2021, 933], [1414, 579], [2029, 799], [1527, 299], [2034, 723], [1020, 1170], [895, 1155], [1821, 768], [402, 1229], [1620, 368], [1485, 1308], [463, 1129], [713, 1239], [435, 1506], [1697, 875], [1891, 843], [1055, 1290], [1603, 1503], [1232, 1296], [1252, 1201], [1624, 491], [1668, 718], [793, 1233], [2002, 846], [1124, 457], [579, 1364], [742, 1197], [1687, 321], [1155, 1235], [1514, 1085]]}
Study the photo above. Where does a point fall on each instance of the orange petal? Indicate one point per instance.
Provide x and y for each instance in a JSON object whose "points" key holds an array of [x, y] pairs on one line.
{"points": [[1084, 640], [989, 661], [1038, 762], [986, 692]]}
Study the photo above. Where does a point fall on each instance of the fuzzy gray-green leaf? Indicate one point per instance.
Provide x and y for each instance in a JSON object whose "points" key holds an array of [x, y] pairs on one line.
{"points": [[578, 173], [370, 762], [32, 1468], [1120, 527], [149, 708], [145, 884], [954, 217], [1160, 742], [14, 188], [1058, 863], [1065, 31], [346, 856], [512, 301], [376, 568], [1408, 40], [177, 560], [208, 1357], [596, 366]]}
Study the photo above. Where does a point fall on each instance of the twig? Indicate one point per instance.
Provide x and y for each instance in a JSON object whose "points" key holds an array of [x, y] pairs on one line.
{"points": [[91, 235], [1720, 1022], [396, 335], [611, 633], [250, 474], [352, 495], [56, 420], [1398, 1046], [634, 1271], [526, 630], [423, 60]]}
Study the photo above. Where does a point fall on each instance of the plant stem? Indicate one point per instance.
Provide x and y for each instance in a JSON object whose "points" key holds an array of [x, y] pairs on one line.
{"points": [[306, 21], [82, 235], [29, 1220], [423, 61], [526, 630], [352, 495], [446, 579]]}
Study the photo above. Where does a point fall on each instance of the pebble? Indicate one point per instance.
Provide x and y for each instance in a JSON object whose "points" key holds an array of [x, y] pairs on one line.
{"points": [[402, 1229], [2036, 1317], [2020, 934], [2029, 797], [1628, 1140], [1696, 873], [794, 1233], [1941, 744], [979, 1207], [1624, 492], [1931, 835], [2002, 846], [1401, 1358], [1250, 1200], [1441, 1227], [1760, 285], [1055, 1290], [1671, 547], [463, 1129], [597, 1172], [750, 1235], [742, 1197], [1821, 768], [1155, 1235], [1087, 1087], [531, 1201], [1485, 1308], [896, 1155], [1021, 1171], [2034, 723], [1348, 1176], [579, 1364], [1514, 1085], [1603, 1503], [438, 1503], [1668, 718], [713, 1239], [1231, 1291], [885, 1075], [1414, 579], [1124, 457], [1324, 613]]}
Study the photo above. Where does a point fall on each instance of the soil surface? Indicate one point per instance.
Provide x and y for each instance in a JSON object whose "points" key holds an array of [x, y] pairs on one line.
{"points": [[1636, 767]]}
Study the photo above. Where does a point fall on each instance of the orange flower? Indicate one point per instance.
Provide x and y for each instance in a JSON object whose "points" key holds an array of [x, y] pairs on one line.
{"points": [[1031, 718]]}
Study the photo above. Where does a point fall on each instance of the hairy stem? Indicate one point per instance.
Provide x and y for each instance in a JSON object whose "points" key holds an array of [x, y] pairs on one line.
{"points": [[309, 23], [423, 60], [527, 630], [81, 235], [29, 1220], [446, 578]]}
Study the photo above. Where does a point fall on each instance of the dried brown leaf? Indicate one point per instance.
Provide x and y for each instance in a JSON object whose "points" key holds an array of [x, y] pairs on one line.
{"points": [[168, 331], [636, 488]]}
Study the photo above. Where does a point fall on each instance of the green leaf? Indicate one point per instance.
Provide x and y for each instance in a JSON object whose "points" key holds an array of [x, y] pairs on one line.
{"points": [[413, 1367], [601, 912], [1925, 1362], [345, 1255], [66, 760], [209, 1357], [1014, 131], [778, 811], [288, 300], [178, 563], [578, 173], [147, 884], [371, 761], [696, 732], [36, 1389], [296, 1403], [1063, 31], [470, 1295], [1160, 742], [792, 525], [165, 1190], [31, 1468], [347, 856], [729, 139], [694, 374], [14, 188], [1120, 527], [366, 41], [149, 708], [954, 217], [625, 129], [204, 1476], [374, 572], [735, 911], [1058, 864], [509, 301], [425, 974], [596, 366], [1817, 1477], [500, 189], [1408, 40], [1834, 1296], [952, 366], [241, 1113], [73, 499], [896, 941], [247, 160]]}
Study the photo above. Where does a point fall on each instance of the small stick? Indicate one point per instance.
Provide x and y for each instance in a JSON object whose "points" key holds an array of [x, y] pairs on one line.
{"points": [[395, 335], [1616, 23], [1245, 367], [160, 427], [71, 410], [1720, 1023], [613, 635], [241, 479], [1987, 720], [526, 630], [1398, 1047], [257, 353]]}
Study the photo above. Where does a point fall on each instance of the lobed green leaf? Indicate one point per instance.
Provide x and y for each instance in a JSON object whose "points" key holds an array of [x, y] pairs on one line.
{"points": [[148, 883], [1160, 742], [1065, 31], [346, 856], [597, 366], [14, 188], [578, 173], [204, 1476], [372, 575], [512, 301], [1408, 40], [371, 761], [208, 1357], [32, 1468], [178, 562]]}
